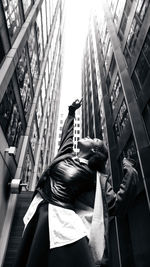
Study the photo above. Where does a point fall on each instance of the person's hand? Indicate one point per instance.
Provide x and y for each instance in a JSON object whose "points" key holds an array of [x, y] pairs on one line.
{"points": [[75, 105], [127, 163]]}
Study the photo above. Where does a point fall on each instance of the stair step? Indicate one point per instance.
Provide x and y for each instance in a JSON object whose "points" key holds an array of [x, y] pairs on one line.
{"points": [[22, 205]]}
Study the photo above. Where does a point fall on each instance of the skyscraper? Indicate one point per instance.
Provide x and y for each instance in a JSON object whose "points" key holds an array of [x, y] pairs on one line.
{"points": [[30, 83], [116, 107], [76, 134]]}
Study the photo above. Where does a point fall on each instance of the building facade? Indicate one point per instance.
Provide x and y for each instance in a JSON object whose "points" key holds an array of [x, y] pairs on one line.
{"points": [[116, 108], [30, 83], [76, 134]]}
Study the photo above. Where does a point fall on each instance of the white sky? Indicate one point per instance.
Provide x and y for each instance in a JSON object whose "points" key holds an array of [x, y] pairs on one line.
{"points": [[77, 14]]}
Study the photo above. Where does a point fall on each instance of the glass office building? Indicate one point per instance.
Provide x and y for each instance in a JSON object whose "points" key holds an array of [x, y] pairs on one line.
{"points": [[116, 107], [30, 84]]}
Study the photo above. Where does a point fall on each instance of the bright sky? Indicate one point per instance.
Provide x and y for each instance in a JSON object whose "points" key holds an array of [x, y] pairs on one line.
{"points": [[77, 14]]}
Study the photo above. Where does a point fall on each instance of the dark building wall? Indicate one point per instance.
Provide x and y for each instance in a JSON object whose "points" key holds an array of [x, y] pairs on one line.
{"points": [[30, 83], [119, 42]]}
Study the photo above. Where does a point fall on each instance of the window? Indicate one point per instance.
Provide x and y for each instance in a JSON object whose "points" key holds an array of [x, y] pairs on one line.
{"points": [[9, 117], [117, 88], [118, 11], [38, 27], [146, 47], [112, 66], [136, 83], [39, 111], [143, 65], [44, 23], [34, 137], [121, 120], [27, 169], [33, 57], [146, 117], [133, 35], [2, 53], [142, 8], [127, 55], [43, 91], [24, 83], [11, 9], [124, 19], [48, 8], [26, 6], [136, 24], [142, 68]]}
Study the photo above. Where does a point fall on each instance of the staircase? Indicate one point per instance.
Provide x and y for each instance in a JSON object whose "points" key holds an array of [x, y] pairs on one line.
{"points": [[23, 202]]}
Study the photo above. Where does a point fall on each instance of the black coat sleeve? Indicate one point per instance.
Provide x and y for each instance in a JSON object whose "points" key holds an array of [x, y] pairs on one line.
{"points": [[66, 146], [118, 203], [66, 143]]}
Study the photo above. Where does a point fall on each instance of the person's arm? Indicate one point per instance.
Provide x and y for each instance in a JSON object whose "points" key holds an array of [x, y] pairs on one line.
{"points": [[66, 143], [118, 203]]}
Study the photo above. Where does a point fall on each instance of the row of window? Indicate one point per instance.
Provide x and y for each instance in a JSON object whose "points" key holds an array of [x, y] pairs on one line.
{"points": [[117, 9], [77, 131], [142, 69], [26, 74], [141, 9], [124, 19], [15, 13]]}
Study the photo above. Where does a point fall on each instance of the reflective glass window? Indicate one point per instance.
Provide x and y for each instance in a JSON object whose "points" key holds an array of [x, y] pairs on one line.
{"points": [[53, 6], [27, 170], [39, 111], [26, 5], [121, 120], [43, 91], [43, 148], [24, 83], [146, 47], [108, 55], [117, 88], [40, 166], [146, 117], [34, 137], [136, 83], [45, 127], [46, 75], [143, 65], [11, 9], [38, 27], [33, 57], [106, 42], [127, 55], [124, 20], [142, 68], [133, 34], [48, 8], [119, 11], [142, 8], [10, 118], [44, 23], [113, 4], [2, 53], [112, 66]]}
